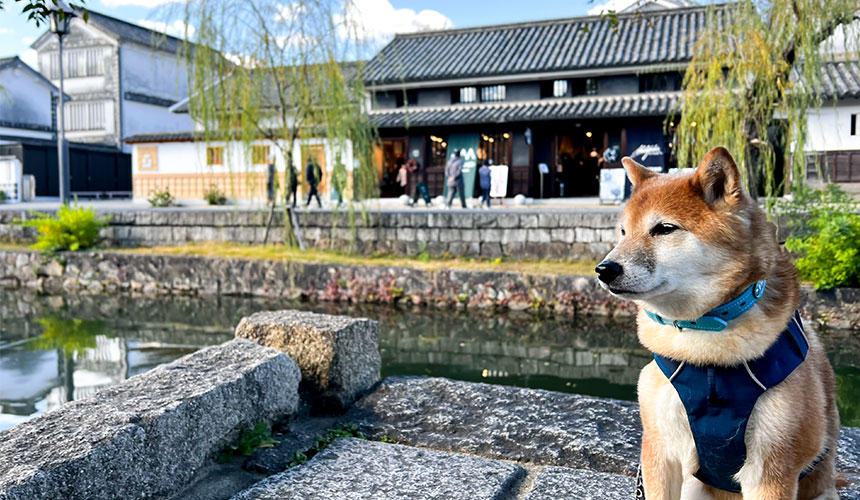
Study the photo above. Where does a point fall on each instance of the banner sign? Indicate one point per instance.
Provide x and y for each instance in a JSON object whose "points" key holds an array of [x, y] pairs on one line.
{"points": [[498, 181], [467, 144]]}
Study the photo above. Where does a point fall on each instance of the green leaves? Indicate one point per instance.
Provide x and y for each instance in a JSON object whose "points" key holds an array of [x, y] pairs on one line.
{"points": [[39, 11], [825, 235], [249, 440], [73, 228]]}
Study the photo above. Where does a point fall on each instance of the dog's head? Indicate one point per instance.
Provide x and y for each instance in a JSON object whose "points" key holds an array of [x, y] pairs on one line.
{"points": [[687, 241]]}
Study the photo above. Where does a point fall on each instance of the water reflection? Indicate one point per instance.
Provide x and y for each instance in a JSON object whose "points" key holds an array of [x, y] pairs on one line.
{"points": [[56, 349]]}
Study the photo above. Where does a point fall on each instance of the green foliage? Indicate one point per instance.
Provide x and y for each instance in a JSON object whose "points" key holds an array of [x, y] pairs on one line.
{"points": [[755, 72], [214, 196], [825, 234], [3, 196], [248, 441], [72, 335], [73, 228], [161, 198], [323, 441], [847, 389], [39, 11]]}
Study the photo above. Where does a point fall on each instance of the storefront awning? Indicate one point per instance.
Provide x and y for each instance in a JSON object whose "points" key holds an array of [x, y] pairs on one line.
{"points": [[656, 104]]}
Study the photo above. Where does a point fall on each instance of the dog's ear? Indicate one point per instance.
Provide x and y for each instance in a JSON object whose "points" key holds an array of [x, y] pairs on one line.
{"points": [[635, 172], [719, 178]]}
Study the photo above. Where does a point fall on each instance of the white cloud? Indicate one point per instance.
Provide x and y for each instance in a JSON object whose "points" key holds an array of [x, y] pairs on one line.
{"points": [[5, 31], [30, 57], [141, 3], [378, 20], [613, 5], [176, 28]]}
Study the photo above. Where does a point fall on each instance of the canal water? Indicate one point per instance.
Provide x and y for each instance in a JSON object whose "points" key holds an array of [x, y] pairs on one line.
{"points": [[55, 349]]}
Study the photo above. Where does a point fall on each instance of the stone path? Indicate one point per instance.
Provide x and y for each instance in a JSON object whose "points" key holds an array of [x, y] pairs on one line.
{"points": [[478, 441]]}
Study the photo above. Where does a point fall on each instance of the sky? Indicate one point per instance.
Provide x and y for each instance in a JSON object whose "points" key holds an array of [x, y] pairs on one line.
{"points": [[383, 18]]}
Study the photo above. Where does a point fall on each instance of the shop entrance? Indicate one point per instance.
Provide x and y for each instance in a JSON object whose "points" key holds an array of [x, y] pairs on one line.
{"points": [[393, 154], [577, 163]]}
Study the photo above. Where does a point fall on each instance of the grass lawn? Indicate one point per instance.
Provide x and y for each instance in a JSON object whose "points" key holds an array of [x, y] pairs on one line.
{"points": [[281, 252]]}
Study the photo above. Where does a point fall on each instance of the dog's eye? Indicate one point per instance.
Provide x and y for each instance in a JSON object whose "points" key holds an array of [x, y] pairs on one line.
{"points": [[622, 231], [663, 228]]}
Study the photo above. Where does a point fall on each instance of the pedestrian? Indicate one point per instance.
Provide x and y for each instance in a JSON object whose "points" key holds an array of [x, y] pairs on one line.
{"points": [[419, 181], [313, 174], [403, 177], [484, 181], [454, 175], [294, 184]]}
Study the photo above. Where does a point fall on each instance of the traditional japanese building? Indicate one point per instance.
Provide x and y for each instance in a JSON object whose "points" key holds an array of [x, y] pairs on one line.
{"points": [[554, 100]]}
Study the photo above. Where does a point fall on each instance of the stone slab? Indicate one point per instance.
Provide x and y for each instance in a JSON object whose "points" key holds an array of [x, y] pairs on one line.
{"points": [[370, 470], [537, 426], [338, 355], [554, 483], [147, 436]]}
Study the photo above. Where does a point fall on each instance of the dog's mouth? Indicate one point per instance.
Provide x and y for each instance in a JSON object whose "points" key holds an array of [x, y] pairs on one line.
{"points": [[634, 294], [622, 291]]}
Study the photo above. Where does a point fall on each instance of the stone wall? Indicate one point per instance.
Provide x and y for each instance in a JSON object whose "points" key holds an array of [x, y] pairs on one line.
{"points": [[111, 272], [558, 234]]}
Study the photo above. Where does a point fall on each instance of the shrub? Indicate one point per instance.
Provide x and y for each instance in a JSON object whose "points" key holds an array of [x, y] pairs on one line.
{"points": [[73, 228], [3, 196], [214, 196], [825, 236], [161, 198]]}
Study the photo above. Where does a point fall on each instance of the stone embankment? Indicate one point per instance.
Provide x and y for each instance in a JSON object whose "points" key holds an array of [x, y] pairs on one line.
{"points": [[156, 435], [586, 233], [111, 272]]}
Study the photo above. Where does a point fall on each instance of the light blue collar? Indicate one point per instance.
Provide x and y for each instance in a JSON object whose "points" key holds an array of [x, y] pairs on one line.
{"points": [[717, 319]]}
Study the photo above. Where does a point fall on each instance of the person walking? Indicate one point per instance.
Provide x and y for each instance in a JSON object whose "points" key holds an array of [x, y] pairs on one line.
{"points": [[403, 177], [294, 184], [313, 174], [419, 181], [484, 181], [454, 176], [338, 180]]}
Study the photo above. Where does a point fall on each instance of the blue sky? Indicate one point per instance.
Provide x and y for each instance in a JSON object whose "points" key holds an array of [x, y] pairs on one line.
{"points": [[16, 33]]}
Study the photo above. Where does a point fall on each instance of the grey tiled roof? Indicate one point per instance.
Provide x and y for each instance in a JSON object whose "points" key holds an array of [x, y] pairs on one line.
{"points": [[841, 79], [643, 38], [134, 33], [631, 105]]}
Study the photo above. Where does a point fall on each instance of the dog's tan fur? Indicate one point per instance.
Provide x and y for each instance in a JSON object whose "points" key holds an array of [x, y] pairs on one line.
{"points": [[724, 244]]}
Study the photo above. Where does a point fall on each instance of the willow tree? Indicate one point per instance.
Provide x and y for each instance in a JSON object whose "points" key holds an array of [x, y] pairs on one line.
{"points": [[754, 76], [280, 73]]}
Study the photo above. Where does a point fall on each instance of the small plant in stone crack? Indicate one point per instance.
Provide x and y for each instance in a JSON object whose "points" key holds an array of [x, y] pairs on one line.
{"points": [[323, 441], [248, 441]]}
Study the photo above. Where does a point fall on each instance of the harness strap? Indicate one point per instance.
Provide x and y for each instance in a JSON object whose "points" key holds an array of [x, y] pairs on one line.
{"points": [[720, 399]]}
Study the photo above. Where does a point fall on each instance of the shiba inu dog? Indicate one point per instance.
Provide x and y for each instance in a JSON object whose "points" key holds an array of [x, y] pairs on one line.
{"points": [[739, 400]]}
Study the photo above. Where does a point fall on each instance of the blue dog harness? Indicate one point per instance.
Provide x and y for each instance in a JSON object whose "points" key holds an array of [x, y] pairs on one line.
{"points": [[719, 399]]}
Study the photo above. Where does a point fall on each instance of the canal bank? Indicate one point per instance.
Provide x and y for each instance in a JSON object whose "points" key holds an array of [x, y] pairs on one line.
{"points": [[152, 274]]}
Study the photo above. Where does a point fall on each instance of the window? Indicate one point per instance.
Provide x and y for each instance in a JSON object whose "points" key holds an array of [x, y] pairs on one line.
{"points": [[438, 150], [84, 115], [591, 86], [260, 155], [659, 82], [468, 94], [493, 93], [560, 88], [496, 147], [854, 124], [214, 155], [76, 62]]}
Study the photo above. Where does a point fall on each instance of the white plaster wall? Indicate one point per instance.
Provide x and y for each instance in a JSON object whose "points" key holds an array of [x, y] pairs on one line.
{"points": [[830, 128], [140, 118], [153, 72], [24, 98], [190, 157], [82, 84]]}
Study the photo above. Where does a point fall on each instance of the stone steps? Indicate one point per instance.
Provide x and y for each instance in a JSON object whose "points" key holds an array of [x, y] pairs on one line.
{"points": [[371, 470]]}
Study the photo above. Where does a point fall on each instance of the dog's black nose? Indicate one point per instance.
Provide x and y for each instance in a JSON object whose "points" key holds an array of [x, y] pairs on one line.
{"points": [[608, 271]]}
